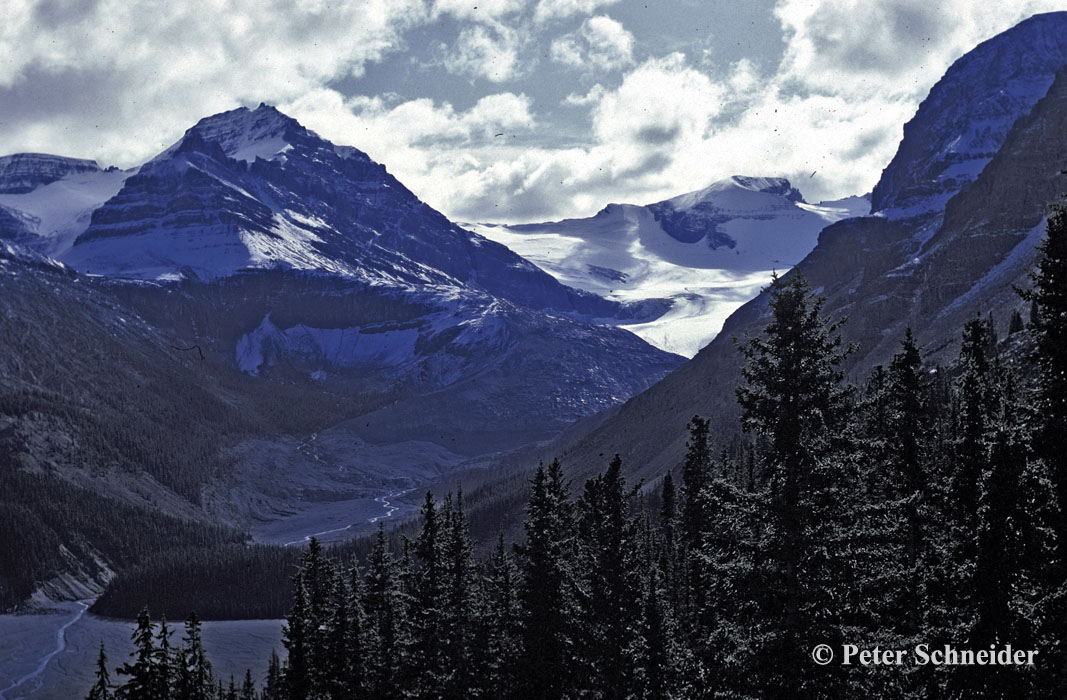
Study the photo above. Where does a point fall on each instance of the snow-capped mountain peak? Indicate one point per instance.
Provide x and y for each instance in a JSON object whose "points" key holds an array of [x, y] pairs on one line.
{"points": [[706, 252], [738, 192], [245, 134]]}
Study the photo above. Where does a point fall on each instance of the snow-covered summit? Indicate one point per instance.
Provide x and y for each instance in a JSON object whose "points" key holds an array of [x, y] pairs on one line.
{"points": [[252, 189], [739, 193], [706, 252], [968, 113], [246, 134]]}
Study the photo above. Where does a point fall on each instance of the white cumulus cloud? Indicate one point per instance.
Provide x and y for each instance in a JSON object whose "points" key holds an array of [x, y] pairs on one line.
{"points": [[490, 52], [600, 44]]}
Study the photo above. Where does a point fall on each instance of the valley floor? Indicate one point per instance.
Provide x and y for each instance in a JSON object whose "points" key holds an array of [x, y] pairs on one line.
{"points": [[40, 660], [337, 520]]}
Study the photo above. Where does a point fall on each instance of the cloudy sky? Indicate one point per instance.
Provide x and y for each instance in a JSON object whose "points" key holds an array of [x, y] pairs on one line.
{"points": [[502, 110]]}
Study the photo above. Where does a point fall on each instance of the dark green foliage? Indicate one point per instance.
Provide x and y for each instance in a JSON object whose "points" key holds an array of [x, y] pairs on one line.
{"points": [[40, 513], [101, 689], [228, 573], [195, 681], [142, 671], [793, 398], [546, 560]]}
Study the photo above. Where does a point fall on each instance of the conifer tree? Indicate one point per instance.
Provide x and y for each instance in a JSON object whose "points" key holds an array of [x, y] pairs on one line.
{"points": [[298, 638], [977, 403], [101, 689], [612, 593], [793, 396], [194, 678], [1003, 545], [1048, 325], [907, 478], [502, 623], [164, 663], [335, 669], [669, 555], [384, 607], [356, 642], [141, 670], [659, 656], [273, 686], [427, 599], [547, 590], [462, 603], [248, 688], [696, 471]]}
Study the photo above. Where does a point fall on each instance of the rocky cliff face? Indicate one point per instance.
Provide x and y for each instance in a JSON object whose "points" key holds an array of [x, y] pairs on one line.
{"points": [[253, 190], [963, 122], [25, 172]]}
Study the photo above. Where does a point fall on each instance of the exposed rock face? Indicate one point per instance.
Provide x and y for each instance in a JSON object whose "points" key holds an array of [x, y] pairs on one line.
{"points": [[24, 172], [967, 115]]}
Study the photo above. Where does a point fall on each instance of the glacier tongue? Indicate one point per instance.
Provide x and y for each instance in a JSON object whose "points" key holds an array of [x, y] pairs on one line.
{"points": [[61, 209]]}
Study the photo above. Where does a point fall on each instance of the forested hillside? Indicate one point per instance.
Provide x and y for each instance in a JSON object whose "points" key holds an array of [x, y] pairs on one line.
{"points": [[919, 510]]}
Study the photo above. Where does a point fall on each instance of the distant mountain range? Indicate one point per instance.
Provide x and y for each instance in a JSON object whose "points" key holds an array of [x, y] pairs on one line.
{"points": [[257, 321]]}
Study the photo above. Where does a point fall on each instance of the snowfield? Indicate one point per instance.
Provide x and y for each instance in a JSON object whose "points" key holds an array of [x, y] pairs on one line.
{"points": [[747, 227]]}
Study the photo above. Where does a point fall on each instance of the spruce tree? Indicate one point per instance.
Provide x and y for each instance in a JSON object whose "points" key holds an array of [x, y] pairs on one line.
{"points": [[335, 668], [547, 590], [273, 686], [612, 593], [248, 688], [1048, 325], [462, 603], [907, 480], [164, 663], [299, 640], [195, 680], [384, 607], [794, 398], [427, 600], [669, 555], [101, 689], [502, 623], [141, 670], [356, 643], [1001, 564], [696, 471], [976, 398]]}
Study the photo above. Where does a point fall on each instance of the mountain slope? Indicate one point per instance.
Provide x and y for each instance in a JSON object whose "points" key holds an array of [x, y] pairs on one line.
{"points": [[967, 115], [253, 189], [305, 332], [705, 253], [885, 273]]}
